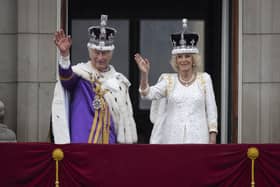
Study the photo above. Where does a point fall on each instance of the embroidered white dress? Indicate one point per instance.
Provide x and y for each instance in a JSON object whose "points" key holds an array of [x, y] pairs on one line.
{"points": [[189, 114]]}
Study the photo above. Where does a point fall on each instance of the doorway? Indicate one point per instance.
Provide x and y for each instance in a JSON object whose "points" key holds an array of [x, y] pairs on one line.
{"points": [[146, 29]]}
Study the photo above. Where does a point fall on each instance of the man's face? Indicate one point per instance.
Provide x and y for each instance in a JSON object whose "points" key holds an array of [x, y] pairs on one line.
{"points": [[100, 59]]}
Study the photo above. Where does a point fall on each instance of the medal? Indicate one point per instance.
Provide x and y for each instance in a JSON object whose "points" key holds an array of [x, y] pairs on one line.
{"points": [[96, 103]]}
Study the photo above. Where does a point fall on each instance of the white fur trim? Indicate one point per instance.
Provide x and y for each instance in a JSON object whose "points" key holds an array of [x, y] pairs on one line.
{"points": [[101, 47], [121, 108], [184, 50]]}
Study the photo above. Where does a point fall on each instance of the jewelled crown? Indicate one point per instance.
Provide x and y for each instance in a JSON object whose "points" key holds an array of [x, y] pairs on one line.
{"points": [[102, 37], [184, 42]]}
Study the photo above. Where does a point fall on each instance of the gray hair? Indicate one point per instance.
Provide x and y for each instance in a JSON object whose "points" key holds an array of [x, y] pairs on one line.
{"points": [[197, 66]]}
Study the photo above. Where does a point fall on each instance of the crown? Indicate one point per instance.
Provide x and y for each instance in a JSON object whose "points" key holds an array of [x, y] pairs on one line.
{"points": [[102, 37], [184, 42]]}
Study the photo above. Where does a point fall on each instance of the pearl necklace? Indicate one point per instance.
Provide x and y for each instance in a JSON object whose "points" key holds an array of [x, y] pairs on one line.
{"points": [[188, 82]]}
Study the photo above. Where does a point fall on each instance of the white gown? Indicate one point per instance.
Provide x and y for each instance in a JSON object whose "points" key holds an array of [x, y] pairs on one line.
{"points": [[189, 114]]}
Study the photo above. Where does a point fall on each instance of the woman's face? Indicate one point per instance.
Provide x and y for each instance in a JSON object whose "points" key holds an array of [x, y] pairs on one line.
{"points": [[100, 59], [184, 62]]}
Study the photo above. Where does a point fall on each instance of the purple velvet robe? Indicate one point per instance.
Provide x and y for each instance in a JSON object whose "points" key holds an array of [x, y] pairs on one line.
{"points": [[81, 108]]}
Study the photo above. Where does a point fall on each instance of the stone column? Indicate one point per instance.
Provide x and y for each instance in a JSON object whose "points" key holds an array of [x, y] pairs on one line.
{"points": [[36, 67], [8, 60], [260, 71]]}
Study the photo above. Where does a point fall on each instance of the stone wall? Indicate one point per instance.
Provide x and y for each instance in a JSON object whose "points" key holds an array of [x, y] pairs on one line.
{"points": [[260, 71], [27, 65]]}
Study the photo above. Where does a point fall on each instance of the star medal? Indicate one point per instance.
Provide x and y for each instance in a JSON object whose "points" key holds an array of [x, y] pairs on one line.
{"points": [[96, 103]]}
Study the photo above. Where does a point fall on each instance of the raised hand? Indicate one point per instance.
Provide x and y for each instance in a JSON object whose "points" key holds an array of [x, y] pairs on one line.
{"points": [[62, 42], [143, 63]]}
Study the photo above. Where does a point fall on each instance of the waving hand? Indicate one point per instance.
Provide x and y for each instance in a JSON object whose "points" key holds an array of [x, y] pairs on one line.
{"points": [[62, 42]]}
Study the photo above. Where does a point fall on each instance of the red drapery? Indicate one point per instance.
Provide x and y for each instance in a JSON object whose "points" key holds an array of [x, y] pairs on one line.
{"points": [[31, 164]]}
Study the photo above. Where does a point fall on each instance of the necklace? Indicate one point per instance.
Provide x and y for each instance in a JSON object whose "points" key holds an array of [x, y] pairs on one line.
{"points": [[188, 82]]}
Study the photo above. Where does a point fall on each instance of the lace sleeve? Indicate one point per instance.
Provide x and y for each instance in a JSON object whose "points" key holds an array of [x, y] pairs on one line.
{"points": [[211, 107], [158, 90]]}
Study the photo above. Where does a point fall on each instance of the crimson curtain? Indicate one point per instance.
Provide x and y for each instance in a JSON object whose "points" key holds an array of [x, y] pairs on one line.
{"points": [[220, 165]]}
